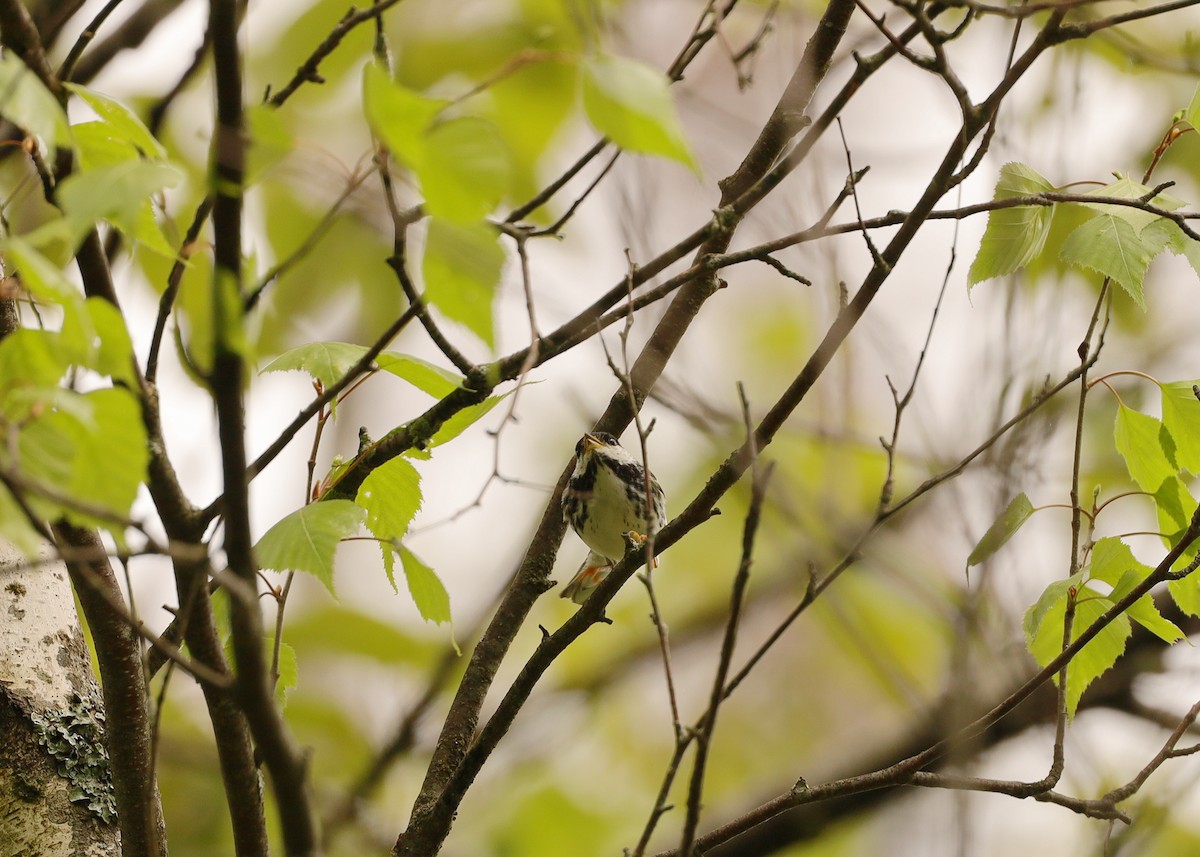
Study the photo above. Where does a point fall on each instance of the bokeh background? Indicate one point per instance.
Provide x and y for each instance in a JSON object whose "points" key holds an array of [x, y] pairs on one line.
{"points": [[905, 642]]}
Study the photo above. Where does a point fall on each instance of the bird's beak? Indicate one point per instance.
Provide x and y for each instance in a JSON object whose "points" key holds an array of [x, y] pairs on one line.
{"points": [[591, 442]]}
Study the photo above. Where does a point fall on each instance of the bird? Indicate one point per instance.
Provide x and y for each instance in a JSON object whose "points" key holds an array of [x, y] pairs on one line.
{"points": [[605, 502]]}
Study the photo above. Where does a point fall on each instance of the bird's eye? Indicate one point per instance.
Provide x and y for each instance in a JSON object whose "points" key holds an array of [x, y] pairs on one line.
{"points": [[610, 440]]}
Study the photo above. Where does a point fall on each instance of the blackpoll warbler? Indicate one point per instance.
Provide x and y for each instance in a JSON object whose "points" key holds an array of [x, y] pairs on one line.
{"points": [[605, 501]]}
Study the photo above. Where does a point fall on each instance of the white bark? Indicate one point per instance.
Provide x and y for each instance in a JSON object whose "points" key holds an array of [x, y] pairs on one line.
{"points": [[46, 685]]}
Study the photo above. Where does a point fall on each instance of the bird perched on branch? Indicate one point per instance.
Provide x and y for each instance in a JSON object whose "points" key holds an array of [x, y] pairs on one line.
{"points": [[606, 502]]}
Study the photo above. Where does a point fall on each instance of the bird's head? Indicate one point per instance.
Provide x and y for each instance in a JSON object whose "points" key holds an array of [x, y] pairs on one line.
{"points": [[600, 443]]}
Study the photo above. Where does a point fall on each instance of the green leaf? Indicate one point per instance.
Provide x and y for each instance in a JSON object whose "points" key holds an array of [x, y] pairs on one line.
{"points": [[289, 671], [631, 103], [16, 528], [426, 588], [464, 419], [399, 116], [425, 376], [1174, 505], [466, 169], [1017, 513], [120, 194], [1110, 245], [461, 270], [1127, 188], [1191, 113], [1113, 563], [327, 362], [26, 102], [1055, 592], [125, 125], [1181, 416], [1138, 440], [307, 539], [1111, 560], [1185, 592], [29, 359], [391, 496], [1045, 643], [1014, 236]]}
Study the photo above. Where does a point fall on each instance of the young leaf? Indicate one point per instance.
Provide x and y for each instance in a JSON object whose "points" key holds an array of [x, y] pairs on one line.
{"points": [[1185, 592], [1138, 439], [327, 362], [26, 103], [425, 376], [121, 195], [461, 270], [289, 671], [1014, 236], [1052, 594], [1127, 188], [630, 102], [1181, 416], [1010, 520], [391, 496], [307, 539], [427, 590], [1110, 245], [466, 169], [399, 116], [464, 419], [1113, 563], [124, 124], [1093, 659]]}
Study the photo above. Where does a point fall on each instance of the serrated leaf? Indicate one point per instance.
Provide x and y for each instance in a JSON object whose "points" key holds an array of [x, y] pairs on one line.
{"points": [[1014, 236], [1111, 560], [1174, 505], [289, 671], [466, 169], [630, 102], [327, 362], [1093, 659], [1185, 592], [1127, 188], [391, 496], [1181, 416], [1138, 440], [1113, 247], [307, 539], [1017, 513], [1052, 594], [125, 125], [461, 270], [1113, 563], [425, 376], [428, 593], [26, 102]]}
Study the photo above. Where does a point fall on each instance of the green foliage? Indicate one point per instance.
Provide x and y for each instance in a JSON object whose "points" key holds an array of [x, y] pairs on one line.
{"points": [[306, 539], [1139, 441], [461, 271], [1015, 514], [1119, 242], [1044, 634], [328, 362], [1016, 235], [335, 629], [26, 103], [391, 496], [426, 588], [630, 102], [122, 122]]}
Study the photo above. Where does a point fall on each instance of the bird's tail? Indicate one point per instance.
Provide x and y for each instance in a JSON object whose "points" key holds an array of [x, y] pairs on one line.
{"points": [[594, 569]]}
